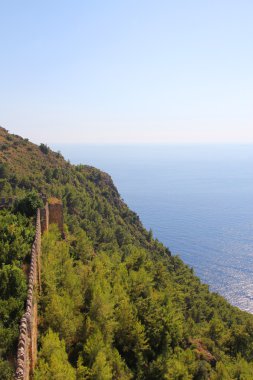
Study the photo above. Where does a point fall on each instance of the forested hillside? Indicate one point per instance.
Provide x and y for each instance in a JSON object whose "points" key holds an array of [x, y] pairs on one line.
{"points": [[115, 304], [16, 236]]}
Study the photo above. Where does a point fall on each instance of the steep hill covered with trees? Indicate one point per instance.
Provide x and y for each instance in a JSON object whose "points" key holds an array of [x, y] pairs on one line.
{"points": [[115, 303]]}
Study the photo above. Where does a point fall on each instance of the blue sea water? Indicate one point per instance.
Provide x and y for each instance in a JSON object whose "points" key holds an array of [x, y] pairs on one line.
{"points": [[197, 199]]}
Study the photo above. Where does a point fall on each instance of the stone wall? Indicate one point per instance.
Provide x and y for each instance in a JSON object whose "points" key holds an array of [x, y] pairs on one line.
{"points": [[27, 345], [44, 215], [28, 335], [55, 213]]}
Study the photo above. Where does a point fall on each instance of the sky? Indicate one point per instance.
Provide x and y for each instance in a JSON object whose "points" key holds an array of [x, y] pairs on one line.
{"points": [[127, 71]]}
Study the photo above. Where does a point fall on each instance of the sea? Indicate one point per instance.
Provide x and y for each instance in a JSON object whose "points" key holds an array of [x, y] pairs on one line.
{"points": [[197, 199]]}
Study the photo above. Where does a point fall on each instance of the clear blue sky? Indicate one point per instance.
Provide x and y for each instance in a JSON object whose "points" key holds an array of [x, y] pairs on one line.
{"points": [[127, 71]]}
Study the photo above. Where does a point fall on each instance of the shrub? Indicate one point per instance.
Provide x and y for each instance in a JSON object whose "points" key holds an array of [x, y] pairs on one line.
{"points": [[29, 204], [3, 171], [58, 154], [4, 147], [5, 370], [44, 148]]}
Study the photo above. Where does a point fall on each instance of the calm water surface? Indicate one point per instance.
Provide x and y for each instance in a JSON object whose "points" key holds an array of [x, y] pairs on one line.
{"points": [[198, 200]]}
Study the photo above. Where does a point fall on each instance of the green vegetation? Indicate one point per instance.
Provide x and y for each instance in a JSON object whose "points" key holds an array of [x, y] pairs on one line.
{"points": [[3, 171], [115, 303], [29, 204], [44, 148], [124, 315], [16, 236], [53, 359]]}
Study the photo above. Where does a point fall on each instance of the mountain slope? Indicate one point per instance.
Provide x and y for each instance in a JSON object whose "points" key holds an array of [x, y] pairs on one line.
{"points": [[115, 303]]}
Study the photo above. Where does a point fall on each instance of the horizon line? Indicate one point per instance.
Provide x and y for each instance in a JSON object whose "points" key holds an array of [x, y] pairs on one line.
{"points": [[149, 143]]}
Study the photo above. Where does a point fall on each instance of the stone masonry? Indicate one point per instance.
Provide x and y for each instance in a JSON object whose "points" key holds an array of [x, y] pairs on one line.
{"points": [[27, 344]]}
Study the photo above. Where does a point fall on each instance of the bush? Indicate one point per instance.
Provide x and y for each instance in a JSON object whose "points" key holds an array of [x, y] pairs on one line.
{"points": [[58, 154], [44, 148], [3, 171], [5, 370], [29, 204], [16, 237]]}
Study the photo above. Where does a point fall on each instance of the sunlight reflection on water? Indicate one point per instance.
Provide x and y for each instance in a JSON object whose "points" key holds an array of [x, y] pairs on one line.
{"points": [[198, 200]]}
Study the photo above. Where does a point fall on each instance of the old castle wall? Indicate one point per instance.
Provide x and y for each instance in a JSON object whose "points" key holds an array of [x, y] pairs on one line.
{"points": [[44, 216], [27, 344], [56, 215]]}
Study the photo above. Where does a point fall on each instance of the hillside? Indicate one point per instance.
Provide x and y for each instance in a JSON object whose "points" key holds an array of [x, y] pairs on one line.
{"points": [[115, 303], [89, 196]]}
